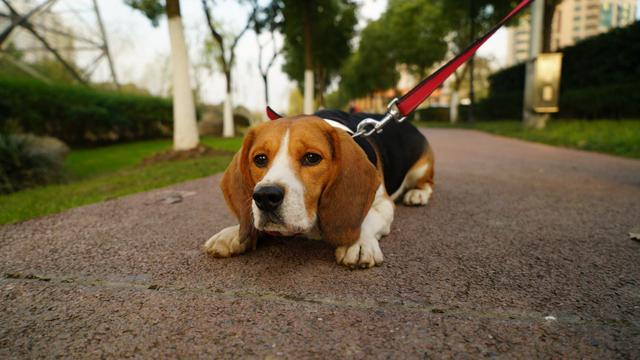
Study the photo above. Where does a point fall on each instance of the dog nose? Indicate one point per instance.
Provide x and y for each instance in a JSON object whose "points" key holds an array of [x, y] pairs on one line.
{"points": [[268, 198]]}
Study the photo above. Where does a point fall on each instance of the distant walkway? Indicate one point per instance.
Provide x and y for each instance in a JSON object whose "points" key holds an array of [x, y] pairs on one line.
{"points": [[523, 250]]}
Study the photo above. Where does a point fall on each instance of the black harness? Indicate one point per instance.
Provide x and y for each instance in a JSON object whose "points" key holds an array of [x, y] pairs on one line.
{"points": [[399, 146]]}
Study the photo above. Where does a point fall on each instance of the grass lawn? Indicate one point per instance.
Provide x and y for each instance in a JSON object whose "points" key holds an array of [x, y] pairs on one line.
{"points": [[109, 172], [616, 137]]}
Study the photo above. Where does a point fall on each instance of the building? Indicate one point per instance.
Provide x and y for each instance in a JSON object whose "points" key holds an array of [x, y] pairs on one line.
{"points": [[573, 21]]}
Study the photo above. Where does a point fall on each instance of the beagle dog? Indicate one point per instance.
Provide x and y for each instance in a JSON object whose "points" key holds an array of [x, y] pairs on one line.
{"points": [[306, 175]]}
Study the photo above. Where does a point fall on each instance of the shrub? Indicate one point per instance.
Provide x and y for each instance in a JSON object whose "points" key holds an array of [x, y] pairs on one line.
{"points": [[27, 161], [600, 79], [80, 115], [432, 114], [616, 101]]}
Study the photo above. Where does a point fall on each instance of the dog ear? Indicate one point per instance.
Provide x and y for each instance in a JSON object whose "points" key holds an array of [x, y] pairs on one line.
{"points": [[237, 187], [351, 189], [272, 114]]}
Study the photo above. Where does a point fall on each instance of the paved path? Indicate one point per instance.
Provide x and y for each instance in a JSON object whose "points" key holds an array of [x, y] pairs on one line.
{"points": [[516, 232]]}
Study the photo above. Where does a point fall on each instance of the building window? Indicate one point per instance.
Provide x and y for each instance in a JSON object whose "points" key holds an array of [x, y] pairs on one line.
{"points": [[605, 15]]}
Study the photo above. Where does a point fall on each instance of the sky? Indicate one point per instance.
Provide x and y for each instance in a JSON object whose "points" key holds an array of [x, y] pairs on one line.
{"points": [[141, 51]]}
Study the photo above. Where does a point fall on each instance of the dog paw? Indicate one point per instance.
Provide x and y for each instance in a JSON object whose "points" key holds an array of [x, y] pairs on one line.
{"points": [[225, 243], [362, 254], [417, 197]]}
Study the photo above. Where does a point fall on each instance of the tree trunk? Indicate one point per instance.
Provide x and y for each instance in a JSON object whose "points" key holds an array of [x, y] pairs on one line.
{"points": [[308, 59], [472, 95], [321, 85], [185, 129], [453, 106], [227, 111], [265, 80], [549, 12]]}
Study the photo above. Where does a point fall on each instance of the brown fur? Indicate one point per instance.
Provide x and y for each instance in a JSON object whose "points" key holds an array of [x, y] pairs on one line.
{"points": [[426, 179], [237, 188], [339, 190], [350, 192]]}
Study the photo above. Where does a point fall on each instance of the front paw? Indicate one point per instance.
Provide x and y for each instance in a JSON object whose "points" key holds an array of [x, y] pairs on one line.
{"points": [[225, 243], [363, 254]]}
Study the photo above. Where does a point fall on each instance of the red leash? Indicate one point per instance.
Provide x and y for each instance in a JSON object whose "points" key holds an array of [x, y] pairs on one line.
{"points": [[410, 101], [399, 109]]}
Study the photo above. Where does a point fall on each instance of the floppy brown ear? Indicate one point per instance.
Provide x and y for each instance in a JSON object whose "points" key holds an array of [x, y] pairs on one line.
{"points": [[350, 192], [237, 188]]}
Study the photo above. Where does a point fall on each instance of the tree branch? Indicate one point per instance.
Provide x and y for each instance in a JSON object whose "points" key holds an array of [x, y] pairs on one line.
{"points": [[216, 35], [276, 51], [237, 38]]}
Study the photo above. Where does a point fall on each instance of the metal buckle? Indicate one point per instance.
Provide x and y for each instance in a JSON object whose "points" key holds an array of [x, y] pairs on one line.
{"points": [[369, 126]]}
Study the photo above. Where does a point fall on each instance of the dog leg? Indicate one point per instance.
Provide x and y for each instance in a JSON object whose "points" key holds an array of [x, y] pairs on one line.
{"points": [[366, 253], [226, 243], [419, 181]]}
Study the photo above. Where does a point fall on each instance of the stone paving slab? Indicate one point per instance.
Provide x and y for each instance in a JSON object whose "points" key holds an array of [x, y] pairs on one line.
{"points": [[515, 232]]}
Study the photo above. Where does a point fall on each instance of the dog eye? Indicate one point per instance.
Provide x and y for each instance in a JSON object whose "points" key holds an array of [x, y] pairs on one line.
{"points": [[260, 160], [310, 159]]}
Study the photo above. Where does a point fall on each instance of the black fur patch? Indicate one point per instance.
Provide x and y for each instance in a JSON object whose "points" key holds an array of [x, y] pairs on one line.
{"points": [[399, 145]]}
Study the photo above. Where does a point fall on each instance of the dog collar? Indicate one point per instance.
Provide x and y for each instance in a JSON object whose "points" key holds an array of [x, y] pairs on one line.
{"points": [[338, 125]]}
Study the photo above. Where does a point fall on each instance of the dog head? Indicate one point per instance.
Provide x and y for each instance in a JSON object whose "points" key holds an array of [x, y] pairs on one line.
{"points": [[294, 175]]}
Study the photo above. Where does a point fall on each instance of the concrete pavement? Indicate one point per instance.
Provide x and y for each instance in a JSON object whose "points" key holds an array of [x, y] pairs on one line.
{"points": [[523, 252]]}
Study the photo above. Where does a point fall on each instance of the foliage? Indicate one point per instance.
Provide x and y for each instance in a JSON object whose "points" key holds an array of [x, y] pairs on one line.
{"points": [[416, 34], [337, 99], [108, 172], [225, 46], [152, 9], [432, 114], [615, 101], [333, 23], [595, 73], [410, 33], [609, 58], [79, 115], [49, 68], [484, 14], [24, 163], [371, 67], [466, 21]]}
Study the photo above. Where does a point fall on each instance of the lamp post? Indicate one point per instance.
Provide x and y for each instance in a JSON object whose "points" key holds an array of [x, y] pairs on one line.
{"points": [[542, 78]]}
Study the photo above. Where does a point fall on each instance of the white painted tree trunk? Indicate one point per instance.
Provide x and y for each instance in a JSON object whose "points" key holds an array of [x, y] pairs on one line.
{"points": [[185, 129], [454, 102], [308, 92], [227, 117]]}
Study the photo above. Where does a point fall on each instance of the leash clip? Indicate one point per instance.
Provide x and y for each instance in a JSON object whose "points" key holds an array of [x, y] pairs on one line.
{"points": [[369, 126]]}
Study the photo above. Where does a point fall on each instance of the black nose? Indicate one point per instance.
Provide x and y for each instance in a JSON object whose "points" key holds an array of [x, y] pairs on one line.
{"points": [[268, 198]]}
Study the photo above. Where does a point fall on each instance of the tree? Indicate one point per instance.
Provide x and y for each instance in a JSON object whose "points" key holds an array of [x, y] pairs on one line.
{"points": [[185, 130], [371, 67], [317, 42], [466, 20], [409, 33], [226, 55], [417, 34], [267, 20]]}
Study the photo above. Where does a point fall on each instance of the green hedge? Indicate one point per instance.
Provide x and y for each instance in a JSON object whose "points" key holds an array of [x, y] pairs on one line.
{"points": [[603, 60], [81, 116], [608, 102], [600, 79]]}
